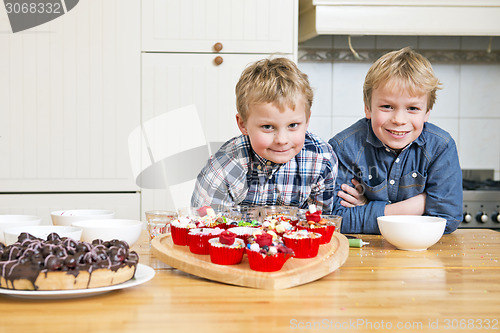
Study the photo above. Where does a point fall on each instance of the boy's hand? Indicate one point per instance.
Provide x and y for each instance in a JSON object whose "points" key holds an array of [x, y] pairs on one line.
{"points": [[352, 196]]}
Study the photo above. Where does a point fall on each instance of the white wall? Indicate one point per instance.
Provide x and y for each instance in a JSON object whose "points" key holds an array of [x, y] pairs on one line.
{"points": [[467, 106]]}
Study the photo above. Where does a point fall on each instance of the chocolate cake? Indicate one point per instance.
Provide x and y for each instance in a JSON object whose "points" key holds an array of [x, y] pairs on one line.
{"points": [[63, 263]]}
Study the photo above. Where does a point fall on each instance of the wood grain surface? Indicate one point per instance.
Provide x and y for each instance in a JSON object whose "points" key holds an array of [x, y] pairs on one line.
{"points": [[452, 287]]}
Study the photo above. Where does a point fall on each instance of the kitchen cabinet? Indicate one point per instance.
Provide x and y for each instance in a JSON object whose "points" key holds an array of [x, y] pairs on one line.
{"points": [[399, 17], [193, 52], [225, 26], [69, 97]]}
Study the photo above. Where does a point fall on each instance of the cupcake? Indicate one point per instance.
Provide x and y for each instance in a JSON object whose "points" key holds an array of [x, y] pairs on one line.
{"points": [[198, 239], [305, 244], [266, 252], [315, 223], [279, 224], [226, 249], [180, 228], [208, 218]]}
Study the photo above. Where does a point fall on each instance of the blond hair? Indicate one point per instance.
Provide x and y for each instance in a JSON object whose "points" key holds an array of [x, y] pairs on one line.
{"points": [[277, 81], [405, 67]]}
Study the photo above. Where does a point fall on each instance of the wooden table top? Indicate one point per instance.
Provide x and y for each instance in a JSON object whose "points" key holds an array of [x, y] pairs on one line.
{"points": [[454, 286]]}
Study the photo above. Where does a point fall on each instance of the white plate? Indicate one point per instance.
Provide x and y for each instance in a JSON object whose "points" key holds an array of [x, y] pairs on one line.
{"points": [[142, 274]]}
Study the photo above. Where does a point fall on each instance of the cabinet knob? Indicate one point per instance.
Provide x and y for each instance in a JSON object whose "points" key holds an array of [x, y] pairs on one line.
{"points": [[218, 60], [218, 47]]}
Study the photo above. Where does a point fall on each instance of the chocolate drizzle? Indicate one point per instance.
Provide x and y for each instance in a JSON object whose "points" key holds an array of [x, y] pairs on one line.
{"points": [[30, 256]]}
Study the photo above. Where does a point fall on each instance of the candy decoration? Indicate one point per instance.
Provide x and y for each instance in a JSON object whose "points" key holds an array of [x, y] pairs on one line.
{"points": [[227, 237], [202, 211], [313, 217], [264, 239]]}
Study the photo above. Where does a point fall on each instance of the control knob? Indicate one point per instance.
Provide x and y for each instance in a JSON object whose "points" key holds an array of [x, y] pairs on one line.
{"points": [[496, 217], [467, 217], [482, 217]]}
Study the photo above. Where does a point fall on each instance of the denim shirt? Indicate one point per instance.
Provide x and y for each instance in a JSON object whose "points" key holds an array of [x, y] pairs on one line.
{"points": [[429, 164]]}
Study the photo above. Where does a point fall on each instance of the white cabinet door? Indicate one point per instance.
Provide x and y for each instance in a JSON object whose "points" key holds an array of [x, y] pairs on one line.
{"points": [[241, 26], [171, 81], [69, 97]]}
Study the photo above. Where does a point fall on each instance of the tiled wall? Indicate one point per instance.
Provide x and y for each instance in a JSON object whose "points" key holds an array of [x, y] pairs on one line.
{"points": [[468, 106]]}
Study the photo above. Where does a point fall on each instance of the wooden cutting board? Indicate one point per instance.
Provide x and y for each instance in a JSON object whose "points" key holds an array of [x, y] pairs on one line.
{"points": [[295, 271]]}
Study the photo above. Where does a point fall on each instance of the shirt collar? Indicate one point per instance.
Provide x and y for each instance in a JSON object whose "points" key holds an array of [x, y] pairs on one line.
{"points": [[264, 165]]}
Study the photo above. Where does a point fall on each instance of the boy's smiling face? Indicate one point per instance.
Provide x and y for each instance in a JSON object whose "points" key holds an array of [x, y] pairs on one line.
{"points": [[276, 135], [397, 117]]}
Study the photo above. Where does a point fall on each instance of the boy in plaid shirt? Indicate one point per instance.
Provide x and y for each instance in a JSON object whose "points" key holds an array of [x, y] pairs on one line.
{"points": [[275, 161]]}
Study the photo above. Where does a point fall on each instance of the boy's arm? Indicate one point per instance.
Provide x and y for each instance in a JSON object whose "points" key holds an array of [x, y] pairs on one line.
{"points": [[353, 196], [360, 218], [410, 206], [212, 184], [209, 193], [444, 187], [323, 192]]}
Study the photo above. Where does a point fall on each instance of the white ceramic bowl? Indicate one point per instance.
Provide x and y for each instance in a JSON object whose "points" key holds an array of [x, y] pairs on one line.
{"points": [[10, 221], [109, 229], [42, 231], [410, 232], [67, 217]]}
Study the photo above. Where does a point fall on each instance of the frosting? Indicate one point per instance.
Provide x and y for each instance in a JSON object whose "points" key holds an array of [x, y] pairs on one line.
{"points": [[205, 231], [237, 244], [302, 234], [184, 222]]}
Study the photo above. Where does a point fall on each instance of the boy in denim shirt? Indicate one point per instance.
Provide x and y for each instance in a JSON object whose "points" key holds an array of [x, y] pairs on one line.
{"points": [[275, 161], [396, 161]]}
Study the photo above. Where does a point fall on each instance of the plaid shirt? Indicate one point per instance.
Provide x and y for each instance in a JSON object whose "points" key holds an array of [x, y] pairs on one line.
{"points": [[237, 175]]}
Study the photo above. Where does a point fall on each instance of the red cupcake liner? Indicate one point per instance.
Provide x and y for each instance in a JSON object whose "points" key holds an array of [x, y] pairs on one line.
{"points": [[198, 244], [225, 255], [303, 247], [326, 232], [179, 235], [261, 263]]}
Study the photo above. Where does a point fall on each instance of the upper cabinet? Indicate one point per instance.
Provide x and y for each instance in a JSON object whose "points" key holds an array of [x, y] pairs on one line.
{"points": [[399, 17], [225, 26], [69, 97]]}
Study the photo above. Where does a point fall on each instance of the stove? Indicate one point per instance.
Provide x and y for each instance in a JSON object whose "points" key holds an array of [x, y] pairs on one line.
{"points": [[481, 200]]}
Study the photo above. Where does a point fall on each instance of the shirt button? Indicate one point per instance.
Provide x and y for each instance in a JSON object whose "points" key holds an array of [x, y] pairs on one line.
{"points": [[392, 182], [370, 177], [268, 163], [259, 167], [397, 160], [414, 175]]}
